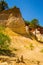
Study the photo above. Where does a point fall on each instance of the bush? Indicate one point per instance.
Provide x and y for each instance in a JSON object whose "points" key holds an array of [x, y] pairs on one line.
{"points": [[31, 46], [2, 28], [4, 41], [7, 53]]}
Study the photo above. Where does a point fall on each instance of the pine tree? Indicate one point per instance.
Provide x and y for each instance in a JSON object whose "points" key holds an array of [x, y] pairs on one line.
{"points": [[3, 5]]}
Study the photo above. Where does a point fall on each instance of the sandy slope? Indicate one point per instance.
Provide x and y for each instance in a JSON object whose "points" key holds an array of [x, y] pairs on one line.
{"points": [[31, 50]]}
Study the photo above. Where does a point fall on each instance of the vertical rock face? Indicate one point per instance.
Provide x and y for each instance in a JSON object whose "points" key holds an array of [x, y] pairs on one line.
{"points": [[17, 24], [13, 19]]}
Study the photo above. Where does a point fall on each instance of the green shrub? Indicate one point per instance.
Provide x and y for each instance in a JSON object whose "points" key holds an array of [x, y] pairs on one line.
{"points": [[31, 46], [7, 53], [4, 41], [2, 28]]}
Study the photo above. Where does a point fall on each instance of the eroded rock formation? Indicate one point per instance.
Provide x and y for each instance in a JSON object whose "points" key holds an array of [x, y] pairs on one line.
{"points": [[13, 19]]}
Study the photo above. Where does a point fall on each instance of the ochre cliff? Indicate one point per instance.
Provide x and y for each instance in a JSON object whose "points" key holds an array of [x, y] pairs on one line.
{"points": [[12, 18]]}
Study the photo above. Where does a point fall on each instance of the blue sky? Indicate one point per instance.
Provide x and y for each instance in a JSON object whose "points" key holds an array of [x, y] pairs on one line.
{"points": [[30, 9]]}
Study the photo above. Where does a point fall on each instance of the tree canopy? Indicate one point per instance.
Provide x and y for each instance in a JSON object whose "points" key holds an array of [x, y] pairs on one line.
{"points": [[34, 23], [3, 5], [27, 22]]}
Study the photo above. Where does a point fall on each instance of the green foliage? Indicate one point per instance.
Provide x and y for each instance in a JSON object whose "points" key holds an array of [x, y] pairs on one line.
{"points": [[34, 23], [3, 5], [7, 53], [31, 46], [2, 28], [27, 22], [4, 41]]}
